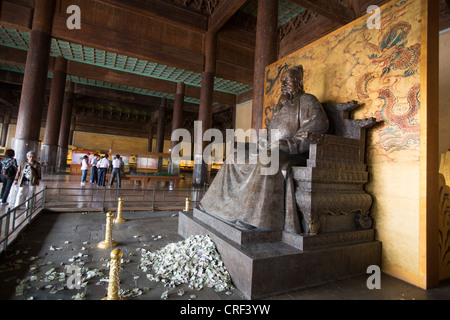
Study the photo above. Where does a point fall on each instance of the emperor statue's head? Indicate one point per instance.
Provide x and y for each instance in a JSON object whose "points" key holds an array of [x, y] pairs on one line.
{"points": [[292, 81]]}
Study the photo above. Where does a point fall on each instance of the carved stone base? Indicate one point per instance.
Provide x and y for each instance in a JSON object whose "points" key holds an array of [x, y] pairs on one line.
{"points": [[263, 264], [324, 240], [240, 236]]}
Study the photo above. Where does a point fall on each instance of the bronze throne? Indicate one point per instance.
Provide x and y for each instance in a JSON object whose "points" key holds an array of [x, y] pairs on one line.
{"points": [[329, 190]]}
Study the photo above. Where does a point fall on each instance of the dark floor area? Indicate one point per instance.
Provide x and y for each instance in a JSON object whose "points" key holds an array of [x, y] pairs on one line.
{"points": [[34, 267]]}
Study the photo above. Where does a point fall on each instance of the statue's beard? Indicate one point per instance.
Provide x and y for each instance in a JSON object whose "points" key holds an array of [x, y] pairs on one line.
{"points": [[287, 95]]}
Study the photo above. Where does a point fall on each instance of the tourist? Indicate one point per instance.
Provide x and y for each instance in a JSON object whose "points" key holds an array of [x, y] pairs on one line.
{"points": [[116, 166], [103, 166], [8, 173], [84, 169], [94, 163], [27, 177]]}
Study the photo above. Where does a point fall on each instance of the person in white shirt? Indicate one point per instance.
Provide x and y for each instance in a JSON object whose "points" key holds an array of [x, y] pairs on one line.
{"points": [[84, 169], [116, 166], [103, 166], [94, 174]]}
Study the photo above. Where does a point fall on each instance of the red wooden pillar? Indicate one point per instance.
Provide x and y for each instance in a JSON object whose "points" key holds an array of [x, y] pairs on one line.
{"points": [[201, 171], [5, 127], [49, 147], [177, 118], [64, 131], [34, 81], [161, 128], [150, 138], [177, 123], [265, 54], [73, 123]]}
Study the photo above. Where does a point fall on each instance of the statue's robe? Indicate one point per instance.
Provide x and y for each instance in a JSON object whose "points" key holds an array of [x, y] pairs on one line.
{"points": [[240, 194]]}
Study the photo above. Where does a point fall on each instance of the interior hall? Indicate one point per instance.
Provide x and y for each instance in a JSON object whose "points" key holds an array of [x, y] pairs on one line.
{"points": [[165, 90]]}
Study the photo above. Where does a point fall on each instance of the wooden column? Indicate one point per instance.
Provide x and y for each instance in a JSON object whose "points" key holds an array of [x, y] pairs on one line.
{"points": [[5, 127], [34, 80], [428, 228], [150, 138], [160, 130], [73, 123], [265, 54], [49, 148], [64, 131], [177, 118], [201, 169]]}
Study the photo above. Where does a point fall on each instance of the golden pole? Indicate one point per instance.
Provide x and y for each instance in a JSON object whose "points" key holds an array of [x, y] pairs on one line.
{"points": [[114, 272], [119, 211], [108, 242], [188, 201]]}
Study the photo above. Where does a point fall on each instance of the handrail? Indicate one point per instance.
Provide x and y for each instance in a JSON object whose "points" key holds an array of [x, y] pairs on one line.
{"points": [[15, 219], [106, 198], [91, 199]]}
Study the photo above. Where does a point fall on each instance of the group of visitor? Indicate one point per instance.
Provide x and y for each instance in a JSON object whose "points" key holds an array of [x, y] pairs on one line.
{"points": [[99, 167], [25, 177]]}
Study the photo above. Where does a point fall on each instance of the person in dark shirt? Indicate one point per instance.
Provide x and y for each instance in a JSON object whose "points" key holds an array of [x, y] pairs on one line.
{"points": [[8, 173]]}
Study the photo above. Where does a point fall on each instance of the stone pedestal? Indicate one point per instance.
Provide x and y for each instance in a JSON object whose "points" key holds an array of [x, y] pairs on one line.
{"points": [[265, 263]]}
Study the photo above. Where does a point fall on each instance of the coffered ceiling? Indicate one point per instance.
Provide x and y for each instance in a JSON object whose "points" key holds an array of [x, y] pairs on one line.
{"points": [[147, 46]]}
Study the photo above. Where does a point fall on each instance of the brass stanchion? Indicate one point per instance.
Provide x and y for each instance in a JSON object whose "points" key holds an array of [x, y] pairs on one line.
{"points": [[188, 202], [108, 242], [114, 272], [119, 211]]}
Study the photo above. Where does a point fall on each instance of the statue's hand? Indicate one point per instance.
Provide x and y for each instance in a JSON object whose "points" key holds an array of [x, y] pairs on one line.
{"points": [[302, 135], [309, 136], [281, 144]]}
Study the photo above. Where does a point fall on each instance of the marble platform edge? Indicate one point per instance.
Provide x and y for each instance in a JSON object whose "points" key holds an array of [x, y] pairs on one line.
{"points": [[276, 271], [237, 235], [299, 241]]}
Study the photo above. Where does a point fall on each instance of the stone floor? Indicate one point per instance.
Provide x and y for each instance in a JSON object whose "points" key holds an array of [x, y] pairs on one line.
{"points": [[53, 239]]}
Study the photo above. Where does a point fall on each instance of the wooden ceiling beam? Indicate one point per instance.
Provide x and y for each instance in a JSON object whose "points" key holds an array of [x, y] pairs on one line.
{"points": [[115, 95], [127, 97], [93, 72], [14, 15], [163, 11], [223, 13], [121, 77], [88, 71], [13, 56], [126, 44], [16, 78], [113, 38], [330, 9]]}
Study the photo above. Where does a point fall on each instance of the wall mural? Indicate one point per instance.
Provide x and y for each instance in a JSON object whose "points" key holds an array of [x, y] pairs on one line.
{"points": [[380, 68]]}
